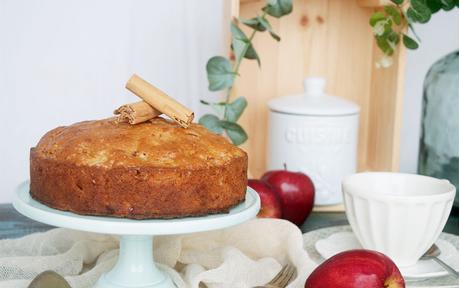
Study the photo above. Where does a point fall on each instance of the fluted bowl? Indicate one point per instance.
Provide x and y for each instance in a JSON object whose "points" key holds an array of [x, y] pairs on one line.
{"points": [[400, 215]]}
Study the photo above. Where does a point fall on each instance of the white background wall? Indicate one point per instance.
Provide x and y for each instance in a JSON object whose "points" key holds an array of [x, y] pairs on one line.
{"points": [[67, 61], [439, 37]]}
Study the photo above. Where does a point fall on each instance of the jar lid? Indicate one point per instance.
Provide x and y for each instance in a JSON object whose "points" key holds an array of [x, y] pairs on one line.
{"points": [[313, 101]]}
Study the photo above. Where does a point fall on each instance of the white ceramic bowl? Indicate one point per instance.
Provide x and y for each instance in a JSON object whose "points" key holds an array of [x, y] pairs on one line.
{"points": [[400, 215]]}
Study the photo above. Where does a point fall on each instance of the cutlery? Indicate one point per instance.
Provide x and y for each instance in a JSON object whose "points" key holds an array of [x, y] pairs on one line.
{"points": [[281, 280], [433, 253], [49, 279]]}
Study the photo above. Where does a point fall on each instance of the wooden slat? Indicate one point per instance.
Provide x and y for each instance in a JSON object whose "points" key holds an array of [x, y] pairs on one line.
{"points": [[329, 208], [249, 1], [235, 8], [373, 3], [386, 114]]}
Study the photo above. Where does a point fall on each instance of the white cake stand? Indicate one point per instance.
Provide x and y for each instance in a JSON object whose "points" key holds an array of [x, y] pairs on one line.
{"points": [[135, 267]]}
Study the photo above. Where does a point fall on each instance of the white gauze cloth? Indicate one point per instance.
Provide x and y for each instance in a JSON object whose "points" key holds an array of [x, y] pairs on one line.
{"points": [[243, 256]]}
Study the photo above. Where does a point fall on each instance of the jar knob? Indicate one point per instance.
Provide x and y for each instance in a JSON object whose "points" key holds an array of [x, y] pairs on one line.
{"points": [[314, 86]]}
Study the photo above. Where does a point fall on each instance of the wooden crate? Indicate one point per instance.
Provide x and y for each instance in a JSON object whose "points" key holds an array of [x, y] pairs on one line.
{"points": [[332, 39]]}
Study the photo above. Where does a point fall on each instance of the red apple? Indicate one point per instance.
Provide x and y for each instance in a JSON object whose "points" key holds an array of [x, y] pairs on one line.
{"points": [[355, 269], [270, 203], [296, 193]]}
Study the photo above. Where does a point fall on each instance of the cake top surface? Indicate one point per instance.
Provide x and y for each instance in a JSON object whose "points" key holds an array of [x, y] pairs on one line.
{"points": [[158, 143]]}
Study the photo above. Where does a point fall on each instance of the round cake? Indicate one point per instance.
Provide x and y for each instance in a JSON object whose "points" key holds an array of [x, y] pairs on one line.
{"points": [[155, 169]]}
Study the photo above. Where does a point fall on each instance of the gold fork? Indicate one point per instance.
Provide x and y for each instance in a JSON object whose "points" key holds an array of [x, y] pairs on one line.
{"points": [[281, 280]]}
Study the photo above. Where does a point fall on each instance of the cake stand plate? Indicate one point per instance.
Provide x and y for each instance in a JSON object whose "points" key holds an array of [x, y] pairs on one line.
{"points": [[135, 267]]}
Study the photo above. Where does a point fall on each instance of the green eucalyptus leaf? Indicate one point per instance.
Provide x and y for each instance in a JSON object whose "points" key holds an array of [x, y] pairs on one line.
{"points": [[384, 45], [419, 12], [412, 15], [410, 43], [235, 132], [278, 8], [241, 45], [394, 13], [252, 54], [253, 23], [205, 102], [219, 73], [218, 108], [398, 2], [265, 23], [376, 17], [434, 5], [212, 123], [447, 4], [239, 42], [275, 36], [234, 109], [383, 28], [388, 27], [393, 37]]}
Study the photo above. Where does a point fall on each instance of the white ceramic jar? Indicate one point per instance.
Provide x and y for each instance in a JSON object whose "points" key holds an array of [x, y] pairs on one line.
{"points": [[317, 134]]}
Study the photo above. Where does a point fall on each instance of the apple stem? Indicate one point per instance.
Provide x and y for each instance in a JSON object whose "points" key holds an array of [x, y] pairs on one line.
{"points": [[285, 166]]}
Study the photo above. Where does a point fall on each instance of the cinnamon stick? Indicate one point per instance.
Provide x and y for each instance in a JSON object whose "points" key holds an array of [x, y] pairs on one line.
{"points": [[160, 100], [137, 112]]}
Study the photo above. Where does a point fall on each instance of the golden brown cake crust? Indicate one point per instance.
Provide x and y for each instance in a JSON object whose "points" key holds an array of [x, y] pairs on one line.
{"points": [[150, 170]]}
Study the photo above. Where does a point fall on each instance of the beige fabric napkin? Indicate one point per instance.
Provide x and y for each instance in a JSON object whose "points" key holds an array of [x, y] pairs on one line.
{"points": [[242, 256]]}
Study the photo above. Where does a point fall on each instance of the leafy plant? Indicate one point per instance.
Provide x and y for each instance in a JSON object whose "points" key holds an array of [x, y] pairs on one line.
{"points": [[221, 72], [389, 26]]}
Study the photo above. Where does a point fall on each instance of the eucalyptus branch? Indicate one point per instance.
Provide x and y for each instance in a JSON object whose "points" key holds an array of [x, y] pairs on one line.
{"points": [[389, 26], [238, 63], [236, 70], [222, 74]]}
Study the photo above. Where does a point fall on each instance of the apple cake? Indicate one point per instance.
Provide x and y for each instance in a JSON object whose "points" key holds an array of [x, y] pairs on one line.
{"points": [[155, 169]]}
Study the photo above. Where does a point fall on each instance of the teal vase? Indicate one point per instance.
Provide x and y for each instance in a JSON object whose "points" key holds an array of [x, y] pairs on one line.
{"points": [[439, 147]]}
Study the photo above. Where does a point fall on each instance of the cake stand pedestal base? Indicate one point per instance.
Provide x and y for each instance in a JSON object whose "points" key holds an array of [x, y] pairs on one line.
{"points": [[135, 267]]}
